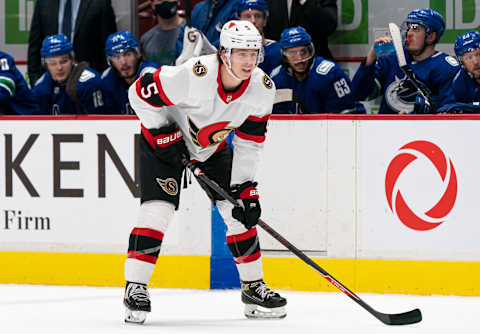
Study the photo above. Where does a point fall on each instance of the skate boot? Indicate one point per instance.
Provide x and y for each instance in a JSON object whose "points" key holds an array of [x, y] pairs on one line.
{"points": [[261, 302], [137, 302]]}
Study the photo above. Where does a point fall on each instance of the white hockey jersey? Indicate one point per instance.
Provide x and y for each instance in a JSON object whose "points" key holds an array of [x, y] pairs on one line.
{"points": [[192, 96]]}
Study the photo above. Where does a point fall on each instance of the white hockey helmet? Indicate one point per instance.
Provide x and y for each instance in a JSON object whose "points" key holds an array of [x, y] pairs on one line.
{"points": [[240, 35]]}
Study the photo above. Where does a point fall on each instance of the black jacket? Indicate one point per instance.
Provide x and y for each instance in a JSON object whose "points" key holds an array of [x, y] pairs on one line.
{"points": [[318, 17], [95, 21]]}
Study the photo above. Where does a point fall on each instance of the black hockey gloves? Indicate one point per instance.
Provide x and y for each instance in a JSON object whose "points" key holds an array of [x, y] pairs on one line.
{"points": [[248, 194], [170, 146]]}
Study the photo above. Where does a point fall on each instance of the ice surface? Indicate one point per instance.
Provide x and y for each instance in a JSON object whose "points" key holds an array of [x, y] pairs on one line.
{"points": [[91, 310]]}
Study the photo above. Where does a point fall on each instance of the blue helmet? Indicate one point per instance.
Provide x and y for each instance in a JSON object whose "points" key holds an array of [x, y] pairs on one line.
{"points": [[55, 45], [467, 42], [252, 4], [296, 36], [430, 19], [119, 42]]}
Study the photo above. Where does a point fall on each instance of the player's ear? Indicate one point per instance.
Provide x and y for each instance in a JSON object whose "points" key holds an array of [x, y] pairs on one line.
{"points": [[431, 38]]}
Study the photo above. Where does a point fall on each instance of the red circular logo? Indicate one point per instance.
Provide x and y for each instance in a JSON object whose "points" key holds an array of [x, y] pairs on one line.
{"points": [[395, 199]]}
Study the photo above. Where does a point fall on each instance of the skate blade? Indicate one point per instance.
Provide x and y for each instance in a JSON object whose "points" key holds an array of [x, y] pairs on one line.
{"points": [[135, 317], [253, 311]]}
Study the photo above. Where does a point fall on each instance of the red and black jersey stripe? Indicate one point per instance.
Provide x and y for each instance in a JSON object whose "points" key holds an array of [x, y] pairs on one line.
{"points": [[144, 244], [245, 247], [149, 89], [254, 128]]}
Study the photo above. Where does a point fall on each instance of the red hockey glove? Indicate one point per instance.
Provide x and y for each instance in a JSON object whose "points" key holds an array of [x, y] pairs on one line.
{"points": [[169, 145], [248, 194]]}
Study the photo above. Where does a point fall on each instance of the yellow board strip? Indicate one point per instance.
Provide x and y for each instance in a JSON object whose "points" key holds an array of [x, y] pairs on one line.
{"points": [[192, 272], [379, 276]]}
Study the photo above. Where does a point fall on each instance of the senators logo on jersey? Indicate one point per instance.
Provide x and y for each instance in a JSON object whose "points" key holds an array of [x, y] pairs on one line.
{"points": [[267, 82], [209, 135], [199, 69], [169, 185]]}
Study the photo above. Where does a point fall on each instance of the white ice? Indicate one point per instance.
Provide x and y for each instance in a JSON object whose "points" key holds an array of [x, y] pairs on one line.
{"points": [[90, 310]]}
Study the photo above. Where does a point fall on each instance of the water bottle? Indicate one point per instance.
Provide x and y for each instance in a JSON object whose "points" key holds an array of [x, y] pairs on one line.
{"points": [[383, 48]]}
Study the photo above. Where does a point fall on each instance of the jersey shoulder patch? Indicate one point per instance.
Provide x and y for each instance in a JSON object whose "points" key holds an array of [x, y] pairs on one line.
{"points": [[324, 67], [267, 82], [452, 61], [86, 75], [199, 69]]}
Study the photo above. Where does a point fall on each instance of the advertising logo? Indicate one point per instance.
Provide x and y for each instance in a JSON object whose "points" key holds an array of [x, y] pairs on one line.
{"points": [[399, 207], [18, 15]]}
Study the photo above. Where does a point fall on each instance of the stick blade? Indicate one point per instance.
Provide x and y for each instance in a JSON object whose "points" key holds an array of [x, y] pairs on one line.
{"points": [[407, 318], [397, 43]]}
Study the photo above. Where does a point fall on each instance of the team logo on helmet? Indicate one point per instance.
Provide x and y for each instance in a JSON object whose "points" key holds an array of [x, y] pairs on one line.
{"points": [[199, 69], [209, 135], [169, 185], [267, 82]]}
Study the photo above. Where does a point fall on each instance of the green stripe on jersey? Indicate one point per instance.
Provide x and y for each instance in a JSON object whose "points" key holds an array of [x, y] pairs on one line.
{"points": [[8, 84]]}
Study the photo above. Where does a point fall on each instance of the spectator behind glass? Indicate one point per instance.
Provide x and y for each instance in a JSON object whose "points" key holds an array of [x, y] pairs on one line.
{"points": [[91, 21], [432, 69], [466, 84], [318, 17], [208, 16], [126, 65], [320, 85], [256, 11], [66, 87], [15, 96], [159, 43]]}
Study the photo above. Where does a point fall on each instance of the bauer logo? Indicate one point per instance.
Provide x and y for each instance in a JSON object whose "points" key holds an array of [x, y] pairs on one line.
{"points": [[439, 200]]}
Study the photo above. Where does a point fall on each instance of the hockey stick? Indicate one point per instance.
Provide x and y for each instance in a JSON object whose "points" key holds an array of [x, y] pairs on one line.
{"points": [[188, 13], [406, 318], [402, 62]]}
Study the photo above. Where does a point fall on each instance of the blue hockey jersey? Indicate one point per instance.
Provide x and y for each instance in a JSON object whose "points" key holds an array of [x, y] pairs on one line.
{"points": [[465, 88], [209, 16], [325, 90], [115, 89], [54, 100], [435, 72], [15, 96], [272, 57]]}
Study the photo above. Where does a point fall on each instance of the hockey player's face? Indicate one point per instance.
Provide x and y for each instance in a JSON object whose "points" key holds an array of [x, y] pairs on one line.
{"points": [[415, 37], [243, 62], [256, 17], [125, 63], [298, 57], [59, 67], [471, 62]]}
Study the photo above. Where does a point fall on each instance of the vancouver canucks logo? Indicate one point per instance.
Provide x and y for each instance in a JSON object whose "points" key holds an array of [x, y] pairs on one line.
{"points": [[209, 135], [169, 185], [400, 97], [199, 69]]}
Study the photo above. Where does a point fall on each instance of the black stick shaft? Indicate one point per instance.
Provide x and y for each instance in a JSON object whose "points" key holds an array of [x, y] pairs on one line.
{"points": [[389, 319]]}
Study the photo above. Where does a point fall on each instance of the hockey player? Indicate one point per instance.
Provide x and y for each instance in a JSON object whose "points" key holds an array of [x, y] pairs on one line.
{"points": [[466, 84], [433, 69], [15, 96], [256, 11], [319, 85], [126, 65], [66, 87], [189, 110]]}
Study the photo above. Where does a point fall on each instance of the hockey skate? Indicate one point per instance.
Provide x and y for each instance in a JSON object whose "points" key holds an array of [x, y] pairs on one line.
{"points": [[261, 302], [137, 303]]}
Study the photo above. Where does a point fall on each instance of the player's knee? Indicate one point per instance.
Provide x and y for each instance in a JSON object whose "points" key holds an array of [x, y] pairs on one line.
{"points": [[233, 226], [155, 215]]}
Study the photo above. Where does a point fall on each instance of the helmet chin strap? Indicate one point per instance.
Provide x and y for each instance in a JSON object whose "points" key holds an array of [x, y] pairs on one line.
{"points": [[229, 66]]}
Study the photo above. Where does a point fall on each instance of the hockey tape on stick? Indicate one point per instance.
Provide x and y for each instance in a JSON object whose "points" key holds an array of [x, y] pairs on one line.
{"points": [[405, 318]]}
